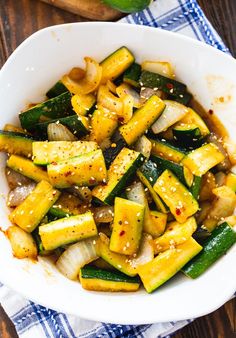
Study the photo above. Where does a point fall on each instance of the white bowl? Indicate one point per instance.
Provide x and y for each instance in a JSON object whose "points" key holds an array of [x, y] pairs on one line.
{"points": [[29, 72]]}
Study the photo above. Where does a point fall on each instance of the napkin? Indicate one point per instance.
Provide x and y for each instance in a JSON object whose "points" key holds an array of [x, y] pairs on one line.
{"points": [[33, 320]]}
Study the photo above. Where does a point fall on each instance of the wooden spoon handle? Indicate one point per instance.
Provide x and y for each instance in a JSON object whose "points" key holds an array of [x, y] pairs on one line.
{"points": [[92, 9]]}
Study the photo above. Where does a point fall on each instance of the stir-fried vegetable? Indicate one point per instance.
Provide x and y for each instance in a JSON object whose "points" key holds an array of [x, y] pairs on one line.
{"points": [[120, 176]]}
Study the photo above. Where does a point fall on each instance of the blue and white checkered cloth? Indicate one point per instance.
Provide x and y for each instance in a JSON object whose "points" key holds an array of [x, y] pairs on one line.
{"points": [[34, 321]]}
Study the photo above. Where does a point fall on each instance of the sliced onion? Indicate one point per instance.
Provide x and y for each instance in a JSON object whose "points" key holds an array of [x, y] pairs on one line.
{"points": [[233, 169], [224, 165], [146, 93], [146, 252], [173, 112], [19, 194], [128, 106], [89, 83], [103, 214], [136, 193], [15, 179], [159, 67], [58, 132], [75, 257], [125, 89], [108, 100], [144, 146]]}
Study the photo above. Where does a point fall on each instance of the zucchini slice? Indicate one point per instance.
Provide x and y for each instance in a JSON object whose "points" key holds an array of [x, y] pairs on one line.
{"points": [[132, 75], [159, 67], [231, 181], [15, 143], [181, 202], [36, 205], [95, 279], [78, 125], [154, 222], [22, 243], [109, 122], [83, 104], [196, 187], [172, 113], [116, 63], [118, 143], [56, 90], [171, 87], [167, 264], [148, 175], [67, 230], [84, 170], [142, 119], [55, 151], [118, 261], [127, 226], [27, 168], [53, 108], [183, 174], [120, 172], [188, 135], [215, 246], [201, 160], [167, 150], [175, 234], [67, 205], [193, 118], [14, 129]]}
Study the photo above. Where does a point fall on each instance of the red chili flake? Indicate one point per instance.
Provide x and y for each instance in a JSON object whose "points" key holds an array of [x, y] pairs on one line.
{"points": [[54, 163], [177, 211], [169, 85], [68, 173], [92, 180], [122, 233], [210, 111], [121, 119]]}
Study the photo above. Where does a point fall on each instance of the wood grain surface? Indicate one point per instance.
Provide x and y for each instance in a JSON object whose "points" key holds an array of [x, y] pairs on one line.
{"points": [[19, 19]]}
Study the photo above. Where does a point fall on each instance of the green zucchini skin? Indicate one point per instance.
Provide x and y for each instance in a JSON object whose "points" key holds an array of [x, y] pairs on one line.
{"points": [[115, 276], [196, 186], [132, 75], [126, 180], [107, 193], [176, 168], [53, 108], [56, 213], [56, 90], [183, 99], [190, 139], [111, 152], [128, 6], [215, 246], [16, 143], [41, 250], [171, 87], [72, 122], [151, 172]]}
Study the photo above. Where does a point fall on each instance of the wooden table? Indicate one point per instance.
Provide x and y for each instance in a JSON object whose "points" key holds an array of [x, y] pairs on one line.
{"points": [[19, 19]]}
